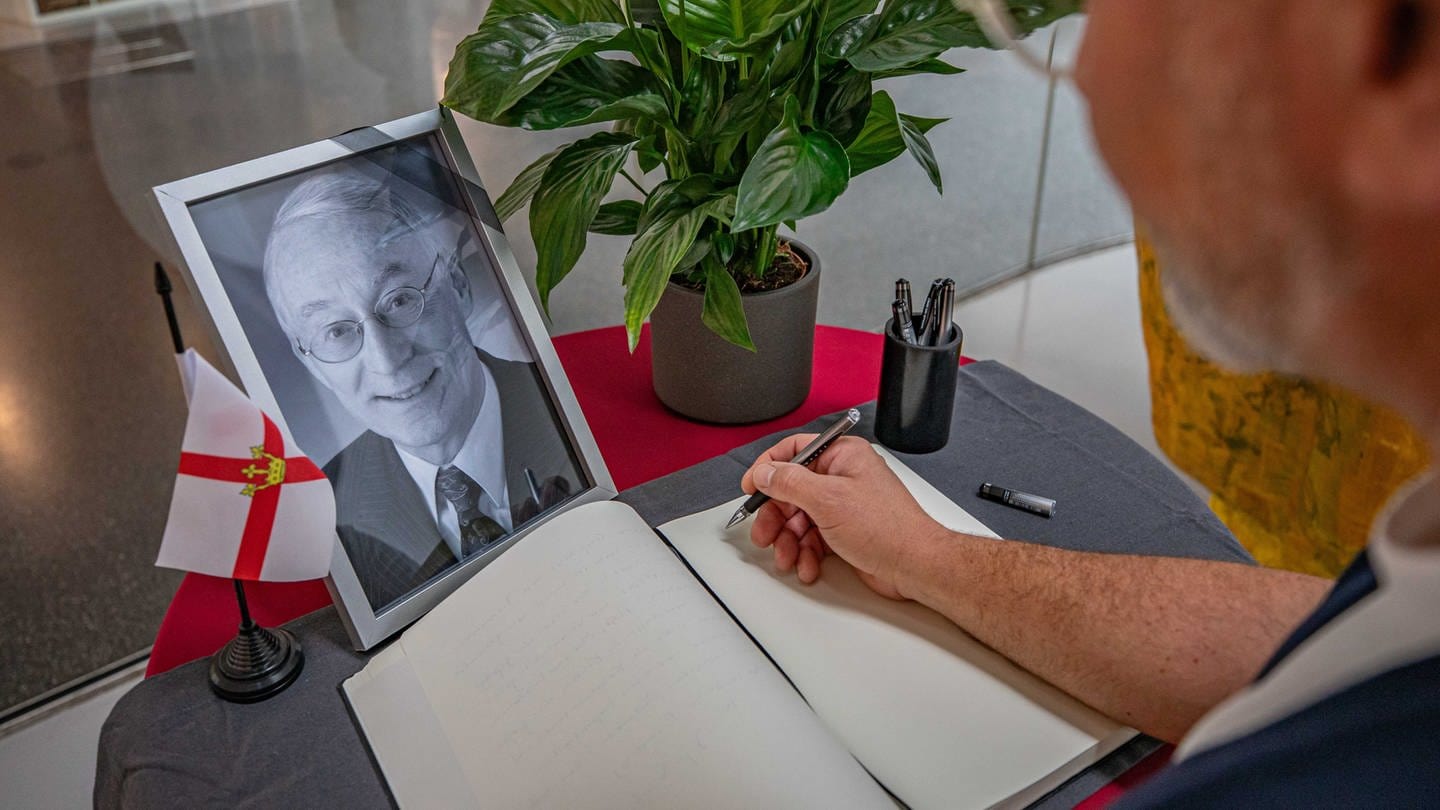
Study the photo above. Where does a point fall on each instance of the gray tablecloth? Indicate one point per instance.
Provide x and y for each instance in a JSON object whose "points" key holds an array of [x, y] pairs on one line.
{"points": [[170, 743]]}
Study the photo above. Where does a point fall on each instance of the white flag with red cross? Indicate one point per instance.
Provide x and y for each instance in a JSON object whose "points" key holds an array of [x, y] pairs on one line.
{"points": [[243, 507]]}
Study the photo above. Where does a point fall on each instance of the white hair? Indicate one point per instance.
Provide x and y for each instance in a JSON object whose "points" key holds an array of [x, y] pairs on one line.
{"points": [[345, 192]]}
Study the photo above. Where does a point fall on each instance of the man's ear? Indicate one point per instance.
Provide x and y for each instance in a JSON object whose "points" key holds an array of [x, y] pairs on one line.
{"points": [[461, 282], [1390, 151]]}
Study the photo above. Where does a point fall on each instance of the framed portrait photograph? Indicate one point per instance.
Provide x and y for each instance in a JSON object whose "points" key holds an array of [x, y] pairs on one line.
{"points": [[364, 295]]}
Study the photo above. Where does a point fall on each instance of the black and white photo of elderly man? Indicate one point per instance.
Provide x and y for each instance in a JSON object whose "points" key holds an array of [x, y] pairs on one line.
{"points": [[460, 447]]}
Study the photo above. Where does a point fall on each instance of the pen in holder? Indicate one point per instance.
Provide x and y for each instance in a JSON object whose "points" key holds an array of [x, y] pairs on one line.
{"points": [[917, 391]]}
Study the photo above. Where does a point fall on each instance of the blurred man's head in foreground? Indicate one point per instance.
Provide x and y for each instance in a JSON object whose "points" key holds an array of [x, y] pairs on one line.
{"points": [[1286, 155]]}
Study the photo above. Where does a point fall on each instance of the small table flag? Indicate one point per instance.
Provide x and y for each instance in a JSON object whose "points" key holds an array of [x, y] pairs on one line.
{"points": [[245, 505]]}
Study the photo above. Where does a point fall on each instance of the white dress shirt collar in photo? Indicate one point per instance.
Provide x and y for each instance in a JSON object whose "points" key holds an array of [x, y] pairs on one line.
{"points": [[482, 457]]}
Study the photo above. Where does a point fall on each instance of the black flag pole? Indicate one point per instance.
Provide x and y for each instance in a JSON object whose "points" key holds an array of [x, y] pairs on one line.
{"points": [[259, 662], [163, 287]]}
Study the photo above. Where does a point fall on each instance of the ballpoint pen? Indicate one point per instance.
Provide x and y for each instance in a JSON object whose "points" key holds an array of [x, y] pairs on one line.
{"points": [[805, 457], [904, 323], [925, 334], [927, 315], [947, 312]]}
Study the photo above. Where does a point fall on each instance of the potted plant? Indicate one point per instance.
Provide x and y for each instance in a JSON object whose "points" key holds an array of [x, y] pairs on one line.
{"points": [[758, 113]]}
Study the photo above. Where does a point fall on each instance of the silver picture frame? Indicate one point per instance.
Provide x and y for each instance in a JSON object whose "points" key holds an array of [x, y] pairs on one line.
{"points": [[369, 624]]}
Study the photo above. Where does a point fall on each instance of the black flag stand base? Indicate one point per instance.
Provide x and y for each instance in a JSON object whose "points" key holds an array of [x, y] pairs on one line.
{"points": [[258, 663]]}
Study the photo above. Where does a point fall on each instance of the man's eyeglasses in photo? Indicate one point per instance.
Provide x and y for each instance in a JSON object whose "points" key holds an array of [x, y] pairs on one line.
{"points": [[398, 308]]}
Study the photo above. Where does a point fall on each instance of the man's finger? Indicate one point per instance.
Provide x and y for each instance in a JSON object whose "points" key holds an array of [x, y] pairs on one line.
{"points": [[784, 450], [847, 454], [789, 510], [807, 567], [792, 483], [811, 553], [798, 522], [769, 522], [787, 551]]}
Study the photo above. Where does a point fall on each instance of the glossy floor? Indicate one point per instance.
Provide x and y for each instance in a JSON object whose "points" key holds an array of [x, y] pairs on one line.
{"points": [[95, 113]]}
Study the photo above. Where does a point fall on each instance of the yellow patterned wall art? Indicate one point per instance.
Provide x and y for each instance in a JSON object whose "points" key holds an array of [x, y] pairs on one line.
{"points": [[1296, 469]]}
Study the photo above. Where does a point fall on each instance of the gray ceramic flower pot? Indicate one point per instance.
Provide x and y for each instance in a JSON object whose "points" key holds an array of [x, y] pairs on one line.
{"points": [[701, 375]]}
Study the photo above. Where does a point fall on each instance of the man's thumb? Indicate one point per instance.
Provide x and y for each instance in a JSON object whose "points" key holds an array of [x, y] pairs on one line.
{"points": [[787, 482]]}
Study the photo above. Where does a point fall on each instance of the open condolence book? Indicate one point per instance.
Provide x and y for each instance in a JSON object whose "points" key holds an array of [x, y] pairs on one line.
{"points": [[587, 667]]}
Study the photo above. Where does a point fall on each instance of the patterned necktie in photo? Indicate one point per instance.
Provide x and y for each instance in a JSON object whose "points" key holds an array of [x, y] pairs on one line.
{"points": [[477, 529]]}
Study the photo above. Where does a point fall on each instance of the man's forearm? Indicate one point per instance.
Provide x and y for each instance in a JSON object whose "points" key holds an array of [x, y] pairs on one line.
{"points": [[1153, 642]]}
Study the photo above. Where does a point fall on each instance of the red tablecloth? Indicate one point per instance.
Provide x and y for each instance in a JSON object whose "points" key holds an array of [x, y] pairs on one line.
{"points": [[613, 388], [614, 391]]}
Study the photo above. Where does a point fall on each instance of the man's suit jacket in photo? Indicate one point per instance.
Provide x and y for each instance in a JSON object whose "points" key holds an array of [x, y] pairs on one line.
{"points": [[385, 522]]}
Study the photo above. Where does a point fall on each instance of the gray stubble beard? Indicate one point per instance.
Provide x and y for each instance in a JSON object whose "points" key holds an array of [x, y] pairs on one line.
{"points": [[1249, 271]]}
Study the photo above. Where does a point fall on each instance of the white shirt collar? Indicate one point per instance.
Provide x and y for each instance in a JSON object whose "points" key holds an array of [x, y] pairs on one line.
{"points": [[482, 457], [1388, 629]]}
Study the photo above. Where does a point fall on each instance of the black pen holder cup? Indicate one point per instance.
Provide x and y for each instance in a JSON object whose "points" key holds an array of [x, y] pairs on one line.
{"points": [[917, 392]]}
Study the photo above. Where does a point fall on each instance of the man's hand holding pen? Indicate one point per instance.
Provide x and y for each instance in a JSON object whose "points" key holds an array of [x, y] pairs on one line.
{"points": [[850, 503]]}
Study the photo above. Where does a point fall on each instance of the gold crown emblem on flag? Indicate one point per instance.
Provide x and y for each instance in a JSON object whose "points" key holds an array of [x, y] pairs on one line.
{"points": [[273, 472]]}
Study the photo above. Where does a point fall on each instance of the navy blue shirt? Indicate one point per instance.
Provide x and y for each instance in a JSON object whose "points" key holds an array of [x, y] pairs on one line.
{"points": [[1373, 744]]}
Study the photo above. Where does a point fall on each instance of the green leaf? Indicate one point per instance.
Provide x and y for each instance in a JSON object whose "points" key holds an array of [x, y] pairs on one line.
{"points": [[548, 112], [674, 197], [617, 218], [737, 115], [723, 311], [788, 60], [929, 66], [879, 141], [523, 187], [567, 201], [913, 131], [663, 197], [685, 195], [724, 242], [793, 174], [548, 55], [701, 95], [838, 12], [844, 104], [651, 51], [588, 90], [925, 124], [648, 155], [715, 25], [654, 255], [566, 12], [699, 250], [507, 58], [912, 31], [849, 37], [882, 139]]}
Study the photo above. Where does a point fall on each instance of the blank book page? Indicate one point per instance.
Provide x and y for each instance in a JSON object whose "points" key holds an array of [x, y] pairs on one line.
{"points": [[939, 718], [587, 668]]}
